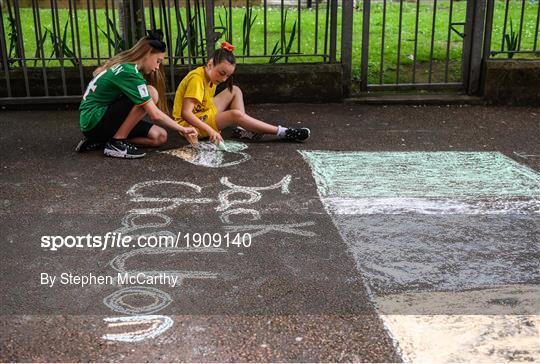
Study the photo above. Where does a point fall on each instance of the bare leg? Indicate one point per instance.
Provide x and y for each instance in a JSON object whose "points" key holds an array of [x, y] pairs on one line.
{"points": [[227, 100], [134, 116], [231, 111], [232, 117], [156, 135]]}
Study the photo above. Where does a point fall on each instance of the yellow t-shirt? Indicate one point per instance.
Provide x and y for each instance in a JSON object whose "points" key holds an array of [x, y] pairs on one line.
{"points": [[195, 86]]}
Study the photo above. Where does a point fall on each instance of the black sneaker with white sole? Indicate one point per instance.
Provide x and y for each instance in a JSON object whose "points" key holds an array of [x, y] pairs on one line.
{"points": [[297, 134], [122, 149], [241, 133], [88, 145]]}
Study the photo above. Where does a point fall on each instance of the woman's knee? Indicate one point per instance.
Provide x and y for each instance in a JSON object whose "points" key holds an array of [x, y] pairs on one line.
{"points": [[158, 135], [154, 94], [237, 91], [237, 114]]}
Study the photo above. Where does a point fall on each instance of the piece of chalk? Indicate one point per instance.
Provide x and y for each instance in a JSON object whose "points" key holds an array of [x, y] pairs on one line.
{"points": [[220, 145], [192, 139]]}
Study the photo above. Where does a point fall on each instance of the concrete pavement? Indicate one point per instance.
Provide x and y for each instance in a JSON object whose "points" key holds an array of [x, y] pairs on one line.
{"points": [[314, 284]]}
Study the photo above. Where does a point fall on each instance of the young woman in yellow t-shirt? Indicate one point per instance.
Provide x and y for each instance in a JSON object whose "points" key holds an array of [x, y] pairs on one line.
{"points": [[195, 104]]}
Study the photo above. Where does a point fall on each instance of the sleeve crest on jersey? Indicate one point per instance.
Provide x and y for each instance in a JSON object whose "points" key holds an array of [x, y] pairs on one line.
{"points": [[143, 90]]}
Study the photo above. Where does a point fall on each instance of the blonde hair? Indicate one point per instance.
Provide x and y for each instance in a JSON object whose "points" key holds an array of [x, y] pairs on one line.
{"points": [[155, 79]]}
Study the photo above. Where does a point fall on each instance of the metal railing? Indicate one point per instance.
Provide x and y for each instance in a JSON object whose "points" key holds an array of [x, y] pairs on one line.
{"points": [[48, 48], [45, 42], [412, 44], [513, 27], [434, 44]]}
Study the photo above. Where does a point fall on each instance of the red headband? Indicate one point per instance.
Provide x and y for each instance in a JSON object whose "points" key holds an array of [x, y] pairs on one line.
{"points": [[227, 46]]}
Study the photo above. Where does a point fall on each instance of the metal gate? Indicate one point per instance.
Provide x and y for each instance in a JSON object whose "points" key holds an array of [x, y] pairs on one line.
{"points": [[422, 45]]}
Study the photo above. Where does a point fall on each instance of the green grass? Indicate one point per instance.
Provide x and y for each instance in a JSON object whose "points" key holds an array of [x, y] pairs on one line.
{"points": [[309, 45]]}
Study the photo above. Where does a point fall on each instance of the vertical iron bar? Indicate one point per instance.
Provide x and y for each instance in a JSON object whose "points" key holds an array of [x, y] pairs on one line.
{"points": [[400, 27], [172, 80], [536, 29], [365, 46], [73, 34], [161, 10], [433, 24], [381, 70], [346, 44], [81, 73], [415, 52], [247, 30], [143, 19], [108, 27], [54, 7], [20, 45], [282, 38], [178, 50], [39, 37], [326, 28], [521, 24], [188, 29], [3, 48], [489, 29], [153, 15], [71, 26], [94, 10], [210, 40], [299, 25], [265, 25], [448, 40], [475, 70], [133, 26], [230, 23], [114, 25], [201, 25], [506, 7], [91, 41], [316, 27], [333, 31], [467, 43], [486, 53]]}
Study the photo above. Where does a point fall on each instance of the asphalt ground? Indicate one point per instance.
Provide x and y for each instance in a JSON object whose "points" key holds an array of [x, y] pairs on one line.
{"points": [[298, 293]]}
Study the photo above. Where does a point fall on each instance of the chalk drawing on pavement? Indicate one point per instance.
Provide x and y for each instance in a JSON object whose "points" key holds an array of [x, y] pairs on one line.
{"points": [[207, 154], [118, 301], [235, 207], [428, 226], [524, 155], [423, 182], [156, 325]]}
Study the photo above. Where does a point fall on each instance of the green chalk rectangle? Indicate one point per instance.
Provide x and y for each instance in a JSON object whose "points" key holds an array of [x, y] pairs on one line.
{"points": [[421, 174]]}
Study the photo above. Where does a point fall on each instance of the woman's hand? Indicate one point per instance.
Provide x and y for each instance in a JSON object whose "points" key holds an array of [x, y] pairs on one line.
{"points": [[189, 131], [215, 136], [190, 134]]}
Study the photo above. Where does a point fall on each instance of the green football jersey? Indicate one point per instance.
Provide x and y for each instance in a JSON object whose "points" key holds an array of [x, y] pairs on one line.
{"points": [[109, 86]]}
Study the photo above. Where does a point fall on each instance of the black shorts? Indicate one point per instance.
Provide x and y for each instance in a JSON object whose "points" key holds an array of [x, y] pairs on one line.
{"points": [[113, 119]]}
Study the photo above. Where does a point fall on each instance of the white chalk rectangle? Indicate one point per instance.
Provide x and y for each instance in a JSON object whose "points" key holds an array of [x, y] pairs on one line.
{"points": [[430, 206]]}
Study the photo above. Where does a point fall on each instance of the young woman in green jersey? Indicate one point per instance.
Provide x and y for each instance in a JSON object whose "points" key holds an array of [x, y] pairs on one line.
{"points": [[125, 89]]}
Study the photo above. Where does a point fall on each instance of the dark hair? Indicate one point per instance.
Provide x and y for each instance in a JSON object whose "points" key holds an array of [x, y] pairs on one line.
{"points": [[155, 38], [221, 55]]}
